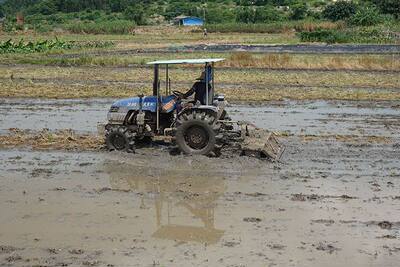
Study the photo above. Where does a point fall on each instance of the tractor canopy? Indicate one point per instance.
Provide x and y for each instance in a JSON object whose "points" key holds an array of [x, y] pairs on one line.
{"points": [[207, 74], [185, 61]]}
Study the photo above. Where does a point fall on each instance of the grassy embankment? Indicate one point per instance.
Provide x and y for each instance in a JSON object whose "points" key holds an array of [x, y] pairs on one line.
{"points": [[239, 85], [243, 76]]}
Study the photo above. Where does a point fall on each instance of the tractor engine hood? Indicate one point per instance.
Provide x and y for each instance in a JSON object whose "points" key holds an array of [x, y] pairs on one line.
{"points": [[149, 103]]}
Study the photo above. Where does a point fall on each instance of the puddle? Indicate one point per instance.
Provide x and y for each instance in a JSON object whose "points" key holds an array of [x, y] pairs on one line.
{"points": [[183, 200], [36, 114]]}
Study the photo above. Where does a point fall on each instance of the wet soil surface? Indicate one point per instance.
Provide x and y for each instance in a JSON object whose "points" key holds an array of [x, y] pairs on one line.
{"points": [[299, 49], [304, 48], [223, 85], [292, 117], [329, 203]]}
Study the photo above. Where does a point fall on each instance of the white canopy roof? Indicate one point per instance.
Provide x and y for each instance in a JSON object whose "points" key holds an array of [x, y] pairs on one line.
{"points": [[186, 61]]}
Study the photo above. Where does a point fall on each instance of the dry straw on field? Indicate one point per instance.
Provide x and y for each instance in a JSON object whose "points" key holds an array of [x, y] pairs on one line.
{"points": [[243, 93], [45, 139], [328, 62]]}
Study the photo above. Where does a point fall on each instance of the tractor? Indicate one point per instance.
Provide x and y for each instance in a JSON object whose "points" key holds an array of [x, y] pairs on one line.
{"points": [[198, 127]]}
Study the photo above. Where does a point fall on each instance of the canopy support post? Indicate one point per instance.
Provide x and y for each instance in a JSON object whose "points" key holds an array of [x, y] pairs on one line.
{"points": [[206, 81]]}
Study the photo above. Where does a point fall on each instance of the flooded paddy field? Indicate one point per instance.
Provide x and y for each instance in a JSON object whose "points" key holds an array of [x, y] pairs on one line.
{"points": [[332, 201], [361, 118]]}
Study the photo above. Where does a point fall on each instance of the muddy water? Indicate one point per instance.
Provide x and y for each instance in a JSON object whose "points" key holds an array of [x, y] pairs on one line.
{"points": [[321, 117], [323, 206], [329, 203], [36, 114], [316, 117]]}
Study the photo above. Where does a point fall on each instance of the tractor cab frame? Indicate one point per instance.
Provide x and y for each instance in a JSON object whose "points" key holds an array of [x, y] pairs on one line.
{"points": [[209, 70]]}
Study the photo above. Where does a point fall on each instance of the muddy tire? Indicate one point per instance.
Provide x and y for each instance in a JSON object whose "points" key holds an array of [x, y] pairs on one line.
{"points": [[225, 116], [119, 138], [196, 134]]}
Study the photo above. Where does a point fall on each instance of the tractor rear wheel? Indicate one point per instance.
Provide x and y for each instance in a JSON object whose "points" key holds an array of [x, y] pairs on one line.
{"points": [[195, 135]]}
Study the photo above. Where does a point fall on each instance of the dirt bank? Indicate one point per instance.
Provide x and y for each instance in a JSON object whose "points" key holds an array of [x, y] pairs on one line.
{"points": [[298, 49], [301, 48]]}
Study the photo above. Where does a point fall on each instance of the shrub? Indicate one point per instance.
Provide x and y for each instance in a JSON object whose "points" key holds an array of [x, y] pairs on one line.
{"points": [[366, 16], [267, 14], [43, 28], [258, 14], [105, 27], [277, 27], [47, 45], [326, 36], [299, 11], [391, 7], [349, 35], [370, 35], [8, 26], [220, 15], [339, 10], [309, 26], [136, 14]]}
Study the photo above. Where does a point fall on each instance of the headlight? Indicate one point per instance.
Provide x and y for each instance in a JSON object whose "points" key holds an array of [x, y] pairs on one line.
{"points": [[114, 109]]}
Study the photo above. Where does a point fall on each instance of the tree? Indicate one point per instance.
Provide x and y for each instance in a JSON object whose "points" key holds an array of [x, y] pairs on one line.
{"points": [[340, 10], [245, 15], [135, 13], [299, 11], [391, 7], [267, 14], [44, 7], [218, 15]]}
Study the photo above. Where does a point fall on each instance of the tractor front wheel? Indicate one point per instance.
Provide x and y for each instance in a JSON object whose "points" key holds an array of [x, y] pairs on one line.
{"points": [[195, 137], [119, 138]]}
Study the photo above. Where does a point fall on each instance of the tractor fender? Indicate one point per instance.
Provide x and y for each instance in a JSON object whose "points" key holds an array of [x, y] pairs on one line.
{"points": [[208, 109]]}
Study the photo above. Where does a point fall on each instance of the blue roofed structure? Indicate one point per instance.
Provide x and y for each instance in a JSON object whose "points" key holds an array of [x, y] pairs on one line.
{"points": [[188, 21]]}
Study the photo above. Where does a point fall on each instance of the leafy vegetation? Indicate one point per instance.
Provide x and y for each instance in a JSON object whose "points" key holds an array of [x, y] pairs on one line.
{"points": [[47, 45], [340, 21], [351, 35], [339, 10], [103, 27], [366, 16]]}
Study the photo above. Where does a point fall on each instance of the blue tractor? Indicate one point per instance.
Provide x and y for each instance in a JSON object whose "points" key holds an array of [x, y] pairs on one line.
{"points": [[197, 126]]}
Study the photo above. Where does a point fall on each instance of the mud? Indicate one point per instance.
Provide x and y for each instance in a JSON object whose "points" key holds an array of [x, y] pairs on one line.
{"points": [[222, 85], [307, 118], [304, 48], [298, 49], [328, 204]]}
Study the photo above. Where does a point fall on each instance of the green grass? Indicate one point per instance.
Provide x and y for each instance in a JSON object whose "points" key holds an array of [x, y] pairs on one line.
{"points": [[12, 47], [362, 35], [103, 27], [273, 27]]}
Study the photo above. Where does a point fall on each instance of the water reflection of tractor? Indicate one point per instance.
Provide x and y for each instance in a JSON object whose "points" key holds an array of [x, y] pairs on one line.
{"points": [[188, 193], [198, 125]]}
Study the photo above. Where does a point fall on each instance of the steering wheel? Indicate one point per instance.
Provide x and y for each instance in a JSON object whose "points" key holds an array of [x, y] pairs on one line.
{"points": [[177, 93]]}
